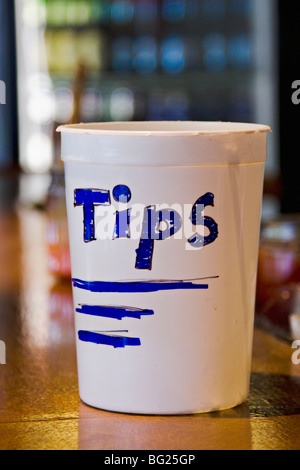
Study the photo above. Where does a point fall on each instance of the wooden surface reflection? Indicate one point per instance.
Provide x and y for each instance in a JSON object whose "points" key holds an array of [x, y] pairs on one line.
{"points": [[39, 403]]}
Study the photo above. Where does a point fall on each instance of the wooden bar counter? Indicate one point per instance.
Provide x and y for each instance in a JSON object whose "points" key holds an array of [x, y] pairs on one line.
{"points": [[40, 407]]}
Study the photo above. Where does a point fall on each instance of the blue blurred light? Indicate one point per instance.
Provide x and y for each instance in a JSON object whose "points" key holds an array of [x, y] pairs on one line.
{"points": [[122, 53], [173, 54], [215, 52], [122, 11], [173, 10], [145, 54], [239, 51]]}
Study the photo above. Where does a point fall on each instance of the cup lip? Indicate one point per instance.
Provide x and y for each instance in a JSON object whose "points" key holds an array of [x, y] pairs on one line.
{"points": [[164, 128]]}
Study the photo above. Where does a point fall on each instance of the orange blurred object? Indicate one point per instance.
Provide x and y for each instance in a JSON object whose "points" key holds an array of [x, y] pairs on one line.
{"points": [[57, 229], [278, 277]]}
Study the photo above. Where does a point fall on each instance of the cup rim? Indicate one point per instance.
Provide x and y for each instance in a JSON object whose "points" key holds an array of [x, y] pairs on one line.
{"points": [[164, 128]]}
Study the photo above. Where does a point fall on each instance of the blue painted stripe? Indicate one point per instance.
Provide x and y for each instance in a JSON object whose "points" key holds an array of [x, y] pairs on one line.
{"points": [[107, 340], [138, 286], [117, 313]]}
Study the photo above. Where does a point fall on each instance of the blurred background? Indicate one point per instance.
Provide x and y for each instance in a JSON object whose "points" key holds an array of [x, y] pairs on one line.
{"points": [[66, 61]]}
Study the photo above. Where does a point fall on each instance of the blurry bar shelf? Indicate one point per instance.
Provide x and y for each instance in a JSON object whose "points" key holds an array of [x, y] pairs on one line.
{"points": [[199, 81], [143, 60]]}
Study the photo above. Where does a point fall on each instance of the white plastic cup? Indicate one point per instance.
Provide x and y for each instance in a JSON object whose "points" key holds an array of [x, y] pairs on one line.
{"points": [[164, 221]]}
